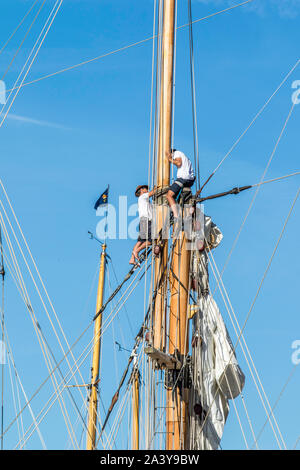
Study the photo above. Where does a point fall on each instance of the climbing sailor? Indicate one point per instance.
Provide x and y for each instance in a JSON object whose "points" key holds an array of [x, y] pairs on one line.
{"points": [[185, 177], [145, 216]]}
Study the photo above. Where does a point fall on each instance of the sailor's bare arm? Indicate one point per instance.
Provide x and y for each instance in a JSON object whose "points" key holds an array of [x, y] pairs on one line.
{"points": [[177, 161], [151, 193]]}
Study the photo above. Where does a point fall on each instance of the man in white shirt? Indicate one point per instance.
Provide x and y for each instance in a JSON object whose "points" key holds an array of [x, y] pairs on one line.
{"points": [[145, 215], [185, 177]]}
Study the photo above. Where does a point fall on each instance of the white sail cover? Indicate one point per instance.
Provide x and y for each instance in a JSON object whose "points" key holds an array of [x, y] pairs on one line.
{"points": [[217, 376], [212, 233]]}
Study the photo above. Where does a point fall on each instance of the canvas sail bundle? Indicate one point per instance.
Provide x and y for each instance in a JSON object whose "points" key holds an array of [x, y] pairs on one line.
{"points": [[217, 377], [211, 236]]}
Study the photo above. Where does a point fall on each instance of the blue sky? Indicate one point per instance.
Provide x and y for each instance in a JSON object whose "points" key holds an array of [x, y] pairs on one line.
{"points": [[69, 136]]}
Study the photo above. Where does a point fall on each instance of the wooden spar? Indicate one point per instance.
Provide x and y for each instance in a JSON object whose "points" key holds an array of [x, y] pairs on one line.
{"points": [[135, 409], [93, 399], [163, 167], [164, 361], [176, 412]]}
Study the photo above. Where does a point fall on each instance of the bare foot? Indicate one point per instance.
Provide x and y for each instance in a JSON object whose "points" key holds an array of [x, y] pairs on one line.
{"points": [[132, 260]]}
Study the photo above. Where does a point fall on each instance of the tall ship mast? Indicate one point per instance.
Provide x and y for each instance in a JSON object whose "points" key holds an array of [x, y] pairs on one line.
{"points": [[172, 383], [188, 398], [177, 325], [93, 398]]}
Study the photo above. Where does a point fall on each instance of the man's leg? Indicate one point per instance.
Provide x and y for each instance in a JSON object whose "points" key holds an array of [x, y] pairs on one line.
{"points": [[143, 245], [135, 251], [170, 198], [173, 192], [145, 234]]}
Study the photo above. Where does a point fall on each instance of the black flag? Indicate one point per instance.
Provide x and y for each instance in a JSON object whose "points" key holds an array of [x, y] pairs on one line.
{"points": [[103, 199]]}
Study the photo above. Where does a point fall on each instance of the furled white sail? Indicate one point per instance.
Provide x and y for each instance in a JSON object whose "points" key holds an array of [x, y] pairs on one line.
{"points": [[217, 377]]}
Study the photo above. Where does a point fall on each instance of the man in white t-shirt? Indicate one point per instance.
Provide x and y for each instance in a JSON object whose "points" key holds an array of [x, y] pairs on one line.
{"points": [[185, 177], [145, 215]]}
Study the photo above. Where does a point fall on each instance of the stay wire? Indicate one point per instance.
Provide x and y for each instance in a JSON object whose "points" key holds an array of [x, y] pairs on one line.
{"points": [[38, 44], [52, 372], [245, 349], [37, 329], [253, 303], [127, 47], [18, 378], [23, 40], [2, 351], [250, 125], [125, 309], [256, 192], [276, 403], [19, 25], [73, 373], [193, 92], [89, 350], [28, 305]]}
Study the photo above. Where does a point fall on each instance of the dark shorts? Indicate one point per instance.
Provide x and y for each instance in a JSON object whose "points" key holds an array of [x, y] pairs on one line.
{"points": [[144, 230], [180, 183]]}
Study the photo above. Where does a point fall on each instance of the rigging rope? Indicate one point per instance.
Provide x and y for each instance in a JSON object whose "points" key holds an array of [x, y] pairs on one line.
{"points": [[174, 81], [51, 304], [125, 309], [245, 351], [2, 352], [114, 428], [252, 305], [27, 301], [254, 185], [77, 368], [19, 25], [151, 180], [137, 342], [193, 91], [53, 14], [61, 384], [26, 245], [125, 47], [38, 44], [23, 40], [276, 402], [28, 304], [256, 192], [11, 358], [251, 124], [14, 401], [266, 398], [126, 278], [296, 443], [37, 327]]}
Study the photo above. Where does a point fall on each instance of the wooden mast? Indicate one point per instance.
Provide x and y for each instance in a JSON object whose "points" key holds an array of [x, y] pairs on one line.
{"points": [[93, 399], [176, 410], [163, 167]]}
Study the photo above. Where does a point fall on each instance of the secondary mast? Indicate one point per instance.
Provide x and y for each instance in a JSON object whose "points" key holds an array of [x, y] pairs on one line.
{"points": [[93, 398]]}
